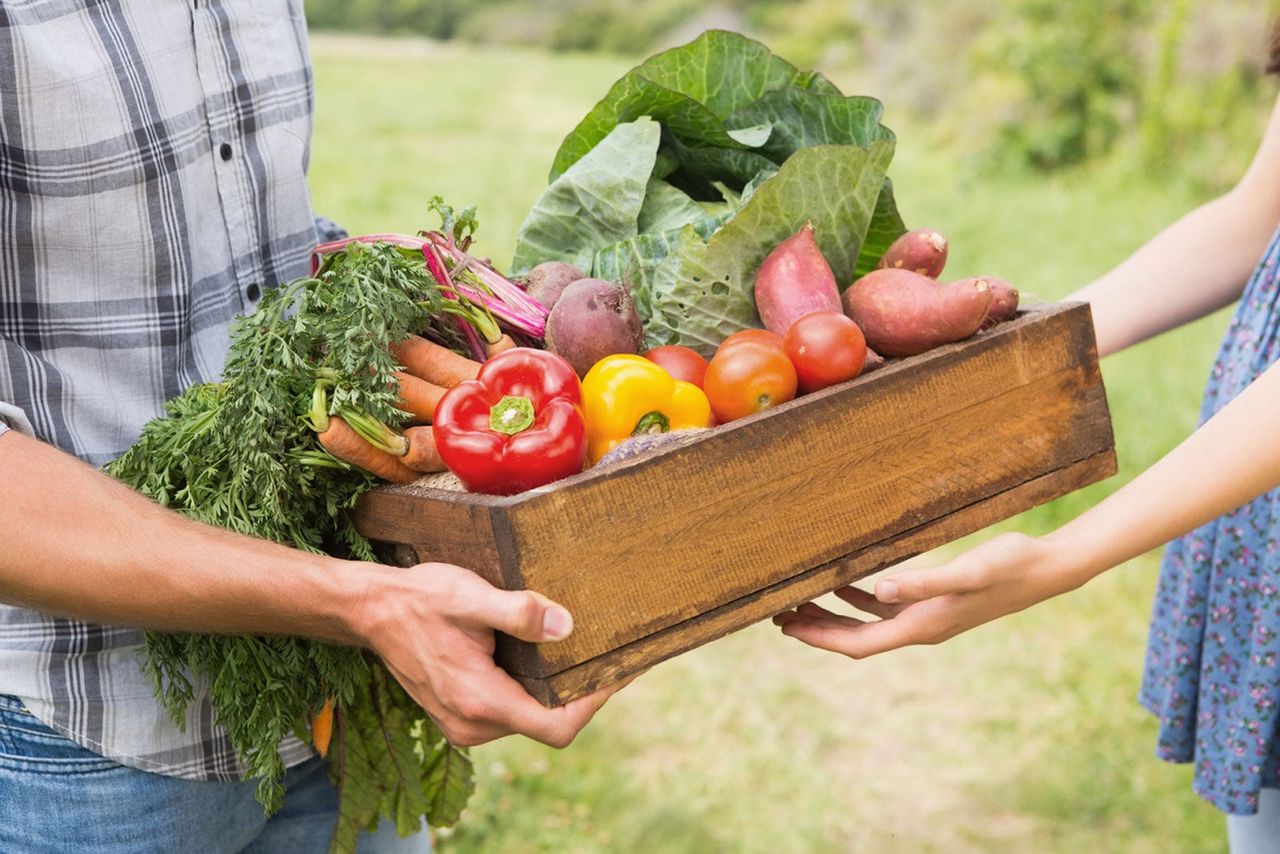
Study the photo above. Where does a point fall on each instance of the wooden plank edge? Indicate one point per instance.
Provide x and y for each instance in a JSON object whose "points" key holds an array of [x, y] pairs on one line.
{"points": [[604, 669], [1063, 317]]}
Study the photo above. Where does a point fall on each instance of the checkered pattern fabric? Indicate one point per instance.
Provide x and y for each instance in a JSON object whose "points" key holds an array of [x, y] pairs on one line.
{"points": [[153, 162]]}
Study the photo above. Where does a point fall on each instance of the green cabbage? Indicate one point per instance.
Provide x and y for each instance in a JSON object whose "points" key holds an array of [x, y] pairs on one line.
{"points": [[695, 165]]}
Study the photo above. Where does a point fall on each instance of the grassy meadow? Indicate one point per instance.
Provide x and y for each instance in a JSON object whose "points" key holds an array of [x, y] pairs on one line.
{"points": [[1021, 736]]}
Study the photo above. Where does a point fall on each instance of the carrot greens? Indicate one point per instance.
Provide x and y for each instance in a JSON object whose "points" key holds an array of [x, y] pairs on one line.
{"points": [[242, 454]]}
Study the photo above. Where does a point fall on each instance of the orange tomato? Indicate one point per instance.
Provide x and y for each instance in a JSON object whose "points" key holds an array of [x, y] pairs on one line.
{"points": [[764, 336], [748, 376]]}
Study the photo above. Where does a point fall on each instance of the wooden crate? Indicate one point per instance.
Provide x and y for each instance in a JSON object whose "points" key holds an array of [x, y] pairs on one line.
{"points": [[660, 554]]}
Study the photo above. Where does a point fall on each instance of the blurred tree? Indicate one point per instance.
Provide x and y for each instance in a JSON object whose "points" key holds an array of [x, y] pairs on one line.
{"points": [[1078, 77]]}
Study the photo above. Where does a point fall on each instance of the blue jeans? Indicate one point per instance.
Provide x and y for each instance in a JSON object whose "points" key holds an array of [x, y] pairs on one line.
{"points": [[57, 796]]}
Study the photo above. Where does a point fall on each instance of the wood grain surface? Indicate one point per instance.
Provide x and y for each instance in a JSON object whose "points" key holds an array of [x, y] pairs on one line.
{"points": [[659, 554], [560, 688]]}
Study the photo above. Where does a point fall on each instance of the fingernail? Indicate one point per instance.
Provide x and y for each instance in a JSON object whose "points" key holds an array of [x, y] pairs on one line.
{"points": [[887, 591], [557, 623]]}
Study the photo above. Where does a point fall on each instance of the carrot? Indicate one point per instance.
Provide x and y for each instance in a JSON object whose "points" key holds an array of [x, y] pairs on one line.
{"points": [[423, 455], [501, 345], [322, 728], [431, 362], [418, 397], [345, 444]]}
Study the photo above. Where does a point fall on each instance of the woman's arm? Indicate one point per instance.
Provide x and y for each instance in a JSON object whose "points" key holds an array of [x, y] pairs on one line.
{"points": [[1195, 266], [1231, 459]]}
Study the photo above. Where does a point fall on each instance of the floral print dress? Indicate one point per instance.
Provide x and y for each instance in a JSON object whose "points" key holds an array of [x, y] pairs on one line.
{"points": [[1213, 655]]}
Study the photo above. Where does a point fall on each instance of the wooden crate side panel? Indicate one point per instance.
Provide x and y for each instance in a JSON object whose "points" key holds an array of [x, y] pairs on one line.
{"points": [[586, 677], [448, 532], [675, 538]]}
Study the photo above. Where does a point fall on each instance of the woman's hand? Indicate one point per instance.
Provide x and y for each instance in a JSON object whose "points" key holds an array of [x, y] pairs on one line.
{"points": [[1231, 459], [926, 606]]}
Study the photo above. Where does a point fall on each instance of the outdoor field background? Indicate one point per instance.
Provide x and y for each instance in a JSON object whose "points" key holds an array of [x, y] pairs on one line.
{"points": [[1020, 736]]}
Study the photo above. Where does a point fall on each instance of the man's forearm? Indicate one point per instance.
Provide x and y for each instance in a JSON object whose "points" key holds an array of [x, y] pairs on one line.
{"points": [[78, 544]]}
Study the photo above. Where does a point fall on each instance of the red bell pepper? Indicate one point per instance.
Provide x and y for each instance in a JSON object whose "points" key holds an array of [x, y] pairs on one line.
{"points": [[516, 426]]}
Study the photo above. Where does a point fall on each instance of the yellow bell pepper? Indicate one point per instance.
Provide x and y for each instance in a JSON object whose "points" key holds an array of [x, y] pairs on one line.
{"points": [[626, 396]]}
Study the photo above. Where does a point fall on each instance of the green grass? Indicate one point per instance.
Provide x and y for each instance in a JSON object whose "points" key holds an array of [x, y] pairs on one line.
{"points": [[1019, 736]]}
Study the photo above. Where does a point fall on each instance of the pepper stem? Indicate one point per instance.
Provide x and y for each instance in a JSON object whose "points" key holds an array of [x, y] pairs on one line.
{"points": [[652, 422], [511, 415]]}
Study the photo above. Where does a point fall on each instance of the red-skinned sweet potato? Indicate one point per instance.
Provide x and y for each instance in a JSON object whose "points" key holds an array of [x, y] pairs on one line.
{"points": [[1004, 300], [921, 250], [794, 280], [902, 313]]}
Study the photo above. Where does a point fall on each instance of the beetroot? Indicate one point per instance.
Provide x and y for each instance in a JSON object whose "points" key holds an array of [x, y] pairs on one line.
{"points": [[794, 280], [548, 280], [593, 319], [902, 313]]}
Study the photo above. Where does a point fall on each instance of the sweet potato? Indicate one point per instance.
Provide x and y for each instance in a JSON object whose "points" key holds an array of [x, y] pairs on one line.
{"points": [[794, 280], [921, 250], [902, 313], [593, 319], [1004, 300]]}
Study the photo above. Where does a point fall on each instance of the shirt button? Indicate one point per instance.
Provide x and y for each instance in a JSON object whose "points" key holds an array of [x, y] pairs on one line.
{"points": [[253, 292], [225, 150]]}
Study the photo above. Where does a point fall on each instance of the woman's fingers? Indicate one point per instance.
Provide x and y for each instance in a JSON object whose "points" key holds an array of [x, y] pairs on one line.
{"points": [[865, 601], [962, 575], [854, 638], [815, 614]]}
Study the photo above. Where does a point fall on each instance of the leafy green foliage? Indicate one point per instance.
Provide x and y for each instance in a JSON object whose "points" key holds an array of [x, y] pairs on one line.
{"points": [[239, 454], [695, 165], [693, 91], [1078, 72], [704, 289], [391, 762], [611, 181]]}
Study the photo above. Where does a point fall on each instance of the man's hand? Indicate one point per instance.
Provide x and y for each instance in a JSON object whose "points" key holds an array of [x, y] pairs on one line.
{"points": [[927, 606], [433, 625], [139, 564]]}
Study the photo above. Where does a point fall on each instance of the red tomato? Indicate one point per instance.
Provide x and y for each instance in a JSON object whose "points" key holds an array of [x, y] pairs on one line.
{"points": [[764, 336], [683, 363], [747, 377], [826, 347]]}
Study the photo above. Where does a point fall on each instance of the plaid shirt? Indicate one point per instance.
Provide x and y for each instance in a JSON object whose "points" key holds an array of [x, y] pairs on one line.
{"points": [[153, 158]]}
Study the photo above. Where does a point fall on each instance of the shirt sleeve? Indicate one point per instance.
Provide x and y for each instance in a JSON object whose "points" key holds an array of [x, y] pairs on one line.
{"points": [[327, 230], [13, 418]]}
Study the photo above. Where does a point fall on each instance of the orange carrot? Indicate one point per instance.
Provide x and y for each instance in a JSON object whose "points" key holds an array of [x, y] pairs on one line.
{"points": [[345, 444], [431, 362], [418, 397], [322, 728], [502, 344], [423, 455]]}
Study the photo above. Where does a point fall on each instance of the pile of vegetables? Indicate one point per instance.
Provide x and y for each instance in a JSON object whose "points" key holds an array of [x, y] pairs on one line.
{"points": [[694, 166], [719, 236]]}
